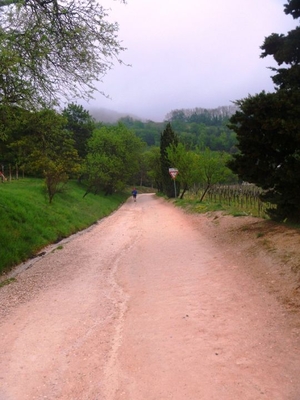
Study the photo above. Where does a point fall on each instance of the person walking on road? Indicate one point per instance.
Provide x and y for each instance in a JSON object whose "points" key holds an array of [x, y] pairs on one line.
{"points": [[134, 194]]}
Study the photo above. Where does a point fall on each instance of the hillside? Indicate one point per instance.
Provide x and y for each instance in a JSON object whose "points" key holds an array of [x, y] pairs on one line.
{"points": [[108, 116]]}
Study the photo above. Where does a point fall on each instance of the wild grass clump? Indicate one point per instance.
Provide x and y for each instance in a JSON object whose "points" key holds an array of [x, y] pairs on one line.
{"points": [[29, 223]]}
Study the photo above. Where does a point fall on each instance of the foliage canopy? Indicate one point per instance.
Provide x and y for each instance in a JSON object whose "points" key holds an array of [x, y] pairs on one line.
{"points": [[47, 149], [112, 159], [52, 49], [81, 124], [268, 128]]}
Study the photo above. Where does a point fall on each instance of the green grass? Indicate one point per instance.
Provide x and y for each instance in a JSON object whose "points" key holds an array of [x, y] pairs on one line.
{"points": [[7, 282], [192, 204], [28, 222]]}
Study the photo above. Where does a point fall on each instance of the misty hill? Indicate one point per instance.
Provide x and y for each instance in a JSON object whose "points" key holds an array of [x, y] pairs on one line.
{"points": [[196, 114], [195, 128], [109, 116]]}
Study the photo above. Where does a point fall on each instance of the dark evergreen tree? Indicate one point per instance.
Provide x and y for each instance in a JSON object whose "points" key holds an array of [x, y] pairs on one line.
{"points": [[285, 50], [268, 128], [81, 124], [293, 8], [167, 138]]}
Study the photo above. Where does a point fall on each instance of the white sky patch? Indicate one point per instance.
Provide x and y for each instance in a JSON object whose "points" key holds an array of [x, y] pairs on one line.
{"points": [[191, 53]]}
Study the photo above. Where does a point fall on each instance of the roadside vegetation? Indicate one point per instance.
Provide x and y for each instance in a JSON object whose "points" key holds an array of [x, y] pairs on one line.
{"points": [[29, 222], [239, 206]]}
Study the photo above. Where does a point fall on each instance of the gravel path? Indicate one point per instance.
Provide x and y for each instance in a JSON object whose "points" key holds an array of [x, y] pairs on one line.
{"points": [[145, 306]]}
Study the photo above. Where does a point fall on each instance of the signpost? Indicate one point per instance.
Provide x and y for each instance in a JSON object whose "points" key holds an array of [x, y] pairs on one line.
{"points": [[174, 172]]}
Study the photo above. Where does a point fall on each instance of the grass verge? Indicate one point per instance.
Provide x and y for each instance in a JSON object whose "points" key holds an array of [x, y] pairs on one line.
{"points": [[193, 205], [29, 223]]}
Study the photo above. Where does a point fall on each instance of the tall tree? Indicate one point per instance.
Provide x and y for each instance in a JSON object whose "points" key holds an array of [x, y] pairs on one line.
{"points": [[212, 169], [286, 51], [48, 149], [53, 48], [167, 138], [81, 124], [154, 168], [113, 158], [268, 128], [186, 162]]}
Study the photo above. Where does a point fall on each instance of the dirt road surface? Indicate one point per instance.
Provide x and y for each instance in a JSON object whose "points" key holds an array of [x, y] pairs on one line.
{"points": [[146, 305]]}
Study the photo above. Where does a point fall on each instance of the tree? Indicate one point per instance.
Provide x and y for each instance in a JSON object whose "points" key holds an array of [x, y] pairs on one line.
{"points": [[113, 158], [185, 162], [141, 178], [285, 51], [154, 168], [48, 149], [81, 124], [52, 48], [11, 121], [293, 8], [212, 169], [167, 138], [268, 129]]}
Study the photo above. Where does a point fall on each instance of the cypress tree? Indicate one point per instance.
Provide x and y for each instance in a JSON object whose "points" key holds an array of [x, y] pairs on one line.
{"points": [[167, 138]]}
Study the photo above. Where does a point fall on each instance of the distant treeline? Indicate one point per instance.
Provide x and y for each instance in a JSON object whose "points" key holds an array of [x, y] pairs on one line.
{"points": [[207, 116], [196, 128]]}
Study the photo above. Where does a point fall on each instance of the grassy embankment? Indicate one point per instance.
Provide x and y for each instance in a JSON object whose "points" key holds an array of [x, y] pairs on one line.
{"points": [[28, 222]]}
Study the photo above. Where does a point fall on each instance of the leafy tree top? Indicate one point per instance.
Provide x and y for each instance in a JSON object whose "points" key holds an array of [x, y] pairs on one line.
{"points": [[293, 8], [51, 49], [285, 50]]}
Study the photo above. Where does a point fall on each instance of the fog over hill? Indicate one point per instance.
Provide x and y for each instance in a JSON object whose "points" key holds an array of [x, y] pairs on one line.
{"points": [[109, 116]]}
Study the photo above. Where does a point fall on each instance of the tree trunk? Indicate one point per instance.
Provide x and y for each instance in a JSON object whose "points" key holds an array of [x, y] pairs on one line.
{"points": [[204, 193], [185, 188]]}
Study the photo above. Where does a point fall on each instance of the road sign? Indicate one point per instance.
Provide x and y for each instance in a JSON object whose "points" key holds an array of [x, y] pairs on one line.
{"points": [[173, 172]]}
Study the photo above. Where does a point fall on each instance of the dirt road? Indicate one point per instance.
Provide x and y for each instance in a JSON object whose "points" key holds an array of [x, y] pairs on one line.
{"points": [[145, 306]]}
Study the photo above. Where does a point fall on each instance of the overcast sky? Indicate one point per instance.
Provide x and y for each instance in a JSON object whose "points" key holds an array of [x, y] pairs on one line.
{"points": [[190, 53]]}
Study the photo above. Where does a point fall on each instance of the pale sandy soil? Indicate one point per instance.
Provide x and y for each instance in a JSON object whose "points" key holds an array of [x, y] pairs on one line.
{"points": [[156, 304]]}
